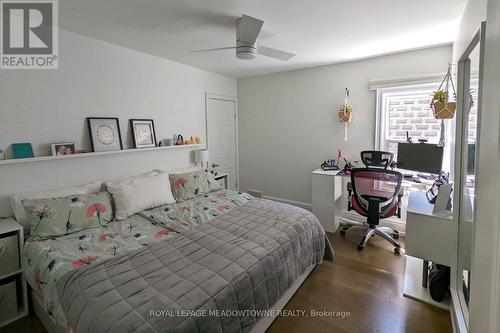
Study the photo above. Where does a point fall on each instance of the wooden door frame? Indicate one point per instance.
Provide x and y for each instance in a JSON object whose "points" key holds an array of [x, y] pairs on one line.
{"points": [[209, 96]]}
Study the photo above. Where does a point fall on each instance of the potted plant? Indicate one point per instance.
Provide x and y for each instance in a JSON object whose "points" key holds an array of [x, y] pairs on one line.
{"points": [[442, 107], [346, 113]]}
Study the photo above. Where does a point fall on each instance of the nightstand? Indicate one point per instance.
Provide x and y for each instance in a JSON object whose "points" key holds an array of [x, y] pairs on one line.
{"points": [[222, 179], [13, 290]]}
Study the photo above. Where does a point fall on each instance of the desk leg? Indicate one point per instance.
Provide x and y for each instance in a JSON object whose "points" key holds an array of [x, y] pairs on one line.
{"points": [[425, 273]]}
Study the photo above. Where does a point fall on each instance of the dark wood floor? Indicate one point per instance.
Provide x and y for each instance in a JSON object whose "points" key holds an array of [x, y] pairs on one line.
{"points": [[368, 285]]}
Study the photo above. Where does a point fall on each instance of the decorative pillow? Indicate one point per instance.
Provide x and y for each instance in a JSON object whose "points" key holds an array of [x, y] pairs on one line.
{"points": [[50, 217], [17, 199], [189, 185], [140, 193]]}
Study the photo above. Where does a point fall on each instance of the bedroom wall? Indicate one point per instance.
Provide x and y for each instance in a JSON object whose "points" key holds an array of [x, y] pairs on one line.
{"points": [[288, 121], [96, 78]]}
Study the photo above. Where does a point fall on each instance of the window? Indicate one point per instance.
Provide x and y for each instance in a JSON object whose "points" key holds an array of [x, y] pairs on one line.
{"points": [[403, 110]]}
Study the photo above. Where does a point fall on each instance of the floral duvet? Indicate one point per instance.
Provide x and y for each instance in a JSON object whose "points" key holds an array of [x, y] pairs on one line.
{"points": [[47, 260]]}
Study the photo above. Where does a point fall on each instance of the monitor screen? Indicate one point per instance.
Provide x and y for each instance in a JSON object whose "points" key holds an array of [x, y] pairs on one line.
{"points": [[421, 157]]}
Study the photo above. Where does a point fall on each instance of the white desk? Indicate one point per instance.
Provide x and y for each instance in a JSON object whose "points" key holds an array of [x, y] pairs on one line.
{"points": [[326, 198], [428, 238]]}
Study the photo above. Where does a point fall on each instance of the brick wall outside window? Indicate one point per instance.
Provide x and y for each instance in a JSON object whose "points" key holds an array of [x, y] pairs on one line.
{"points": [[473, 113], [411, 113]]}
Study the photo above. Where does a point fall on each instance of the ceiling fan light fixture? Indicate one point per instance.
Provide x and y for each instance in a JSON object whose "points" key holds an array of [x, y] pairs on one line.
{"points": [[247, 31], [245, 51]]}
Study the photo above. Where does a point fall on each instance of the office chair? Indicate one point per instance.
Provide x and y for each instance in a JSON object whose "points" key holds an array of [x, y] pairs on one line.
{"points": [[375, 192]]}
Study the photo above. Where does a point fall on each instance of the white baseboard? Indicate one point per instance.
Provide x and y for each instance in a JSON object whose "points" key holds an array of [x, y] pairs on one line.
{"points": [[307, 206]]}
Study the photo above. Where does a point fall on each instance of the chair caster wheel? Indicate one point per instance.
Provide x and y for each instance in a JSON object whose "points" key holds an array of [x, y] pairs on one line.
{"points": [[360, 247], [342, 232], [395, 236], [397, 250]]}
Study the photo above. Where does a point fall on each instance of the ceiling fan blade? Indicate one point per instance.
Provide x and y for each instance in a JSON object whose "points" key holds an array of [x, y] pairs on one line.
{"points": [[215, 49], [248, 28], [273, 53]]}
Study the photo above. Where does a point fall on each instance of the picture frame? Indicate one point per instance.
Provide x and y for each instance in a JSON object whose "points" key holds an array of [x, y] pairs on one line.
{"points": [[22, 150], [63, 148], [143, 133], [104, 134]]}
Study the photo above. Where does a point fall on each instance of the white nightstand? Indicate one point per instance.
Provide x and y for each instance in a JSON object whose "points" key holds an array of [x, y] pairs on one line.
{"points": [[13, 292], [222, 179]]}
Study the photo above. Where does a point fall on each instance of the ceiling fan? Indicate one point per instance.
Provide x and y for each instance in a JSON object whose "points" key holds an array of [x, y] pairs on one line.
{"points": [[247, 31]]}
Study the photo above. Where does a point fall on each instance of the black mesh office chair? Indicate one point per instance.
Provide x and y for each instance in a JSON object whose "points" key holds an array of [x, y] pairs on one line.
{"points": [[375, 192]]}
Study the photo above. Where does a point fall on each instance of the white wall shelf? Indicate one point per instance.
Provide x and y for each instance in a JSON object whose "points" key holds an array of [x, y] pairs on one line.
{"points": [[102, 153]]}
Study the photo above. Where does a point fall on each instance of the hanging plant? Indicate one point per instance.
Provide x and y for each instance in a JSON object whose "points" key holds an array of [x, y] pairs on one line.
{"points": [[346, 113], [441, 105]]}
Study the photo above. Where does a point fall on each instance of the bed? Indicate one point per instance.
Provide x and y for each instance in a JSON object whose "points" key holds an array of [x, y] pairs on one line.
{"points": [[220, 262]]}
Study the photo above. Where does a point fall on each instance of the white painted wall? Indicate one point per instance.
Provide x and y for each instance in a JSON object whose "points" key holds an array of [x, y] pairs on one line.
{"points": [[97, 78], [485, 282], [288, 121]]}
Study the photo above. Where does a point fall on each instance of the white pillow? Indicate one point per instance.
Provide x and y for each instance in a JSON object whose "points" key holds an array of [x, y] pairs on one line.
{"points": [[18, 208], [179, 170], [129, 179], [139, 193]]}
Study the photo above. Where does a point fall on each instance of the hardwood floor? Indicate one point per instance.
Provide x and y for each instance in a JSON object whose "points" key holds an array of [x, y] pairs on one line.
{"points": [[367, 285]]}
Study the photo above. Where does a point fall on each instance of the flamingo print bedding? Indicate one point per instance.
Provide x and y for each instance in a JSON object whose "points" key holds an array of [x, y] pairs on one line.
{"points": [[47, 259]]}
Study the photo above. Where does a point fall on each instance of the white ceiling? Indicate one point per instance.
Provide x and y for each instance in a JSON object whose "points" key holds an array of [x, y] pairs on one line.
{"points": [[318, 31]]}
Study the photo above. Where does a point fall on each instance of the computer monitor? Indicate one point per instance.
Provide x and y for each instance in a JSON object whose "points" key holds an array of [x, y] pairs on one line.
{"points": [[421, 157]]}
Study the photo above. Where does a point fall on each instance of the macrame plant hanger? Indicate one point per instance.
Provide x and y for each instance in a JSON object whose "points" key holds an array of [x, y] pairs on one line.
{"points": [[346, 112], [444, 110]]}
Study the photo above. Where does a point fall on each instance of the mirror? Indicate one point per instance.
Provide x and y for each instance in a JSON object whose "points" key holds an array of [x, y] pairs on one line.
{"points": [[469, 108]]}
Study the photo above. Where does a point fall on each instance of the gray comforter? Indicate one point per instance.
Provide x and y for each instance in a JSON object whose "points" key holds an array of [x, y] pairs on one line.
{"points": [[207, 279]]}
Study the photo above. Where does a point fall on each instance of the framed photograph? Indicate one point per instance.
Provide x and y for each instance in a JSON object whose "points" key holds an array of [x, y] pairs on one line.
{"points": [[143, 133], [63, 148], [104, 134]]}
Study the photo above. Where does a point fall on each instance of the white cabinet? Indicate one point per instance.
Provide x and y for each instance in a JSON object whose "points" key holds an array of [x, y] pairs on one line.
{"points": [[13, 292], [428, 235]]}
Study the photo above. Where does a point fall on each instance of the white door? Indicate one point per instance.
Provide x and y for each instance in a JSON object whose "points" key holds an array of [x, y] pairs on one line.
{"points": [[221, 136]]}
